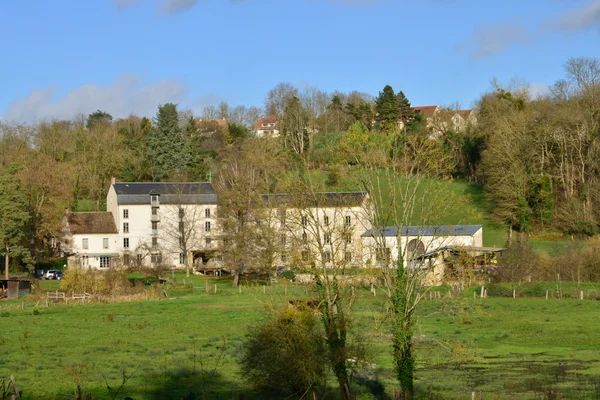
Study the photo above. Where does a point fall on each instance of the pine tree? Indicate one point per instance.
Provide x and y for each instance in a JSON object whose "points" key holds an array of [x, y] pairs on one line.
{"points": [[405, 110], [386, 105], [168, 147]]}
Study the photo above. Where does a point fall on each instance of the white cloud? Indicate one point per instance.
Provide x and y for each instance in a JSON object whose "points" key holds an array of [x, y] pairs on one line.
{"points": [[171, 7], [128, 94], [487, 40], [578, 19]]}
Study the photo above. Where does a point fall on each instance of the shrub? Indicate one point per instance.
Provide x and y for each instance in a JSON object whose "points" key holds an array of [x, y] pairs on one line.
{"points": [[286, 354]]}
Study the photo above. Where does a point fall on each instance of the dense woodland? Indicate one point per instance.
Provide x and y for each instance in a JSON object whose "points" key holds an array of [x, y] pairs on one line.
{"points": [[538, 158]]}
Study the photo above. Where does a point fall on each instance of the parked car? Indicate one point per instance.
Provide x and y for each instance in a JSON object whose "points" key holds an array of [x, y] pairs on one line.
{"points": [[50, 274], [58, 275]]}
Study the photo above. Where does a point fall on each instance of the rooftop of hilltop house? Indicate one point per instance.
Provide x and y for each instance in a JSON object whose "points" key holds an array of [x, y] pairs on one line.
{"points": [[99, 222], [320, 199], [433, 230], [168, 192]]}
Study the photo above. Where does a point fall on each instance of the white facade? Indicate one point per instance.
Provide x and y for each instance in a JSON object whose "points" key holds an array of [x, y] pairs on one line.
{"points": [[148, 231]]}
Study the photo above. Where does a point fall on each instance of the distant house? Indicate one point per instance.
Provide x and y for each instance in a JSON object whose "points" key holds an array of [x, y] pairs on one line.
{"points": [[209, 127], [426, 111], [463, 118], [267, 127]]}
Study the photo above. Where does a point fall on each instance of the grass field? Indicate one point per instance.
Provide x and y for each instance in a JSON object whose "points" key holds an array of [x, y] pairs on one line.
{"points": [[504, 348]]}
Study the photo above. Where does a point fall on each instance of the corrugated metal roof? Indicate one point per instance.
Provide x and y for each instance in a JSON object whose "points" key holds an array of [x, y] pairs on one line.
{"points": [[433, 230], [170, 192]]}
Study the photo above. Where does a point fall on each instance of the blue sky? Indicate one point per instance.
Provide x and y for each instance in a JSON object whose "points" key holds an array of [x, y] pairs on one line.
{"points": [[63, 57]]}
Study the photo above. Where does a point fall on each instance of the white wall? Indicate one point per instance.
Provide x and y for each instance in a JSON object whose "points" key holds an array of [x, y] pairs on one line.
{"points": [[95, 248]]}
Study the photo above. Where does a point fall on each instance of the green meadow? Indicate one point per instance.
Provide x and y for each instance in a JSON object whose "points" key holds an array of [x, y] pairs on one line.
{"points": [[187, 346]]}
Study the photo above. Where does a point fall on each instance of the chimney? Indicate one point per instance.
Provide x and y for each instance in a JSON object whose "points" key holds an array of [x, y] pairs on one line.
{"points": [[112, 180], [66, 212]]}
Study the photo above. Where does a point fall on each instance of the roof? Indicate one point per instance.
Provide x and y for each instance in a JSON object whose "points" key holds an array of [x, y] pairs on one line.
{"points": [[91, 222], [220, 122], [460, 249], [433, 230], [320, 199], [464, 113], [169, 192], [426, 111], [265, 120]]}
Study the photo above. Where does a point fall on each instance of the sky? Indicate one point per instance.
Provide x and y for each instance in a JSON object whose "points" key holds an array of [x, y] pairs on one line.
{"points": [[60, 58]]}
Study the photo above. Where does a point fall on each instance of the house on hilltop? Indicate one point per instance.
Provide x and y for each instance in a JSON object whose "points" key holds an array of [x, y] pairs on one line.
{"points": [[267, 127]]}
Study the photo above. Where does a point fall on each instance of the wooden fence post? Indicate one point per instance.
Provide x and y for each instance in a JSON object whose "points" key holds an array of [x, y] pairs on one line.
{"points": [[514, 293], [546, 294], [215, 288], [482, 289]]}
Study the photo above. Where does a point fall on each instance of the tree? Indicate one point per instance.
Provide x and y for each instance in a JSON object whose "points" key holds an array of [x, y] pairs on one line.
{"points": [[387, 106], [278, 98], [285, 354], [294, 126], [168, 147], [405, 110], [98, 117], [238, 132], [182, 228], [336, 108], [14, 219]]}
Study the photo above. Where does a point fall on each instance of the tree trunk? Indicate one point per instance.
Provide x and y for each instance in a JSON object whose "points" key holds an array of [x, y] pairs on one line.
{"points": [[187, 266], [404, 361], [6, 259], [236, 279]]}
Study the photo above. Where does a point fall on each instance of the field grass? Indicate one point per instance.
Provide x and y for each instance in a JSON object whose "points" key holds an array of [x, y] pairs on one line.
{"points": [[504, 348]]}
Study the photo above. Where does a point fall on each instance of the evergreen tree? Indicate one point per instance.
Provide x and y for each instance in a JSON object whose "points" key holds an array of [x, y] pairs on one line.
{"points": [[405, 110], [168, 147], [197, 170], [14, 220], [336, 108], [98, 117], [387, 108]]}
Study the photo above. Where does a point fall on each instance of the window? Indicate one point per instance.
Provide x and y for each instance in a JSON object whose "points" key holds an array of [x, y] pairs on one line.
{"points": [[348, 238], [181, 226], [104, 261], [139, 259], [283, 239], [208, 242], [154, 241], [305, 221], [105, 243], [207, 213], [154, 198], [126, 259], [125, 227], [181, 258], [154, 211], [326, 220], [305, 255], [382, 254], [125, 213], [327, 238], [304, 237], [85, 261], [156, 258], [125, 243], [348, 221], [207, 226], [283, 257], [85, 243], [154, 226], [327, 256], [348, 257]]}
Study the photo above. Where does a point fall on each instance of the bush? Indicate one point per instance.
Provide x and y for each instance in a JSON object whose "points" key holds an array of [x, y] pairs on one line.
{"points": [[111, 282], [286, 354]]}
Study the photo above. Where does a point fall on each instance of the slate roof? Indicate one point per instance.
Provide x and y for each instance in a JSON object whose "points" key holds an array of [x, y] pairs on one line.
{"points": [[320, 199], [433, 230], [169, 192], [91, 222]]}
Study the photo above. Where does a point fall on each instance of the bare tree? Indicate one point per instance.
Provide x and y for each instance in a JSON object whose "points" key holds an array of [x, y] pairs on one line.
{"points": [[278, 97]]}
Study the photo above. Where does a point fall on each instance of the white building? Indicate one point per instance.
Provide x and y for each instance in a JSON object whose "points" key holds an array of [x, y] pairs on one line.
{"points": [[320, 225], [165, 223], [267, 127]]}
